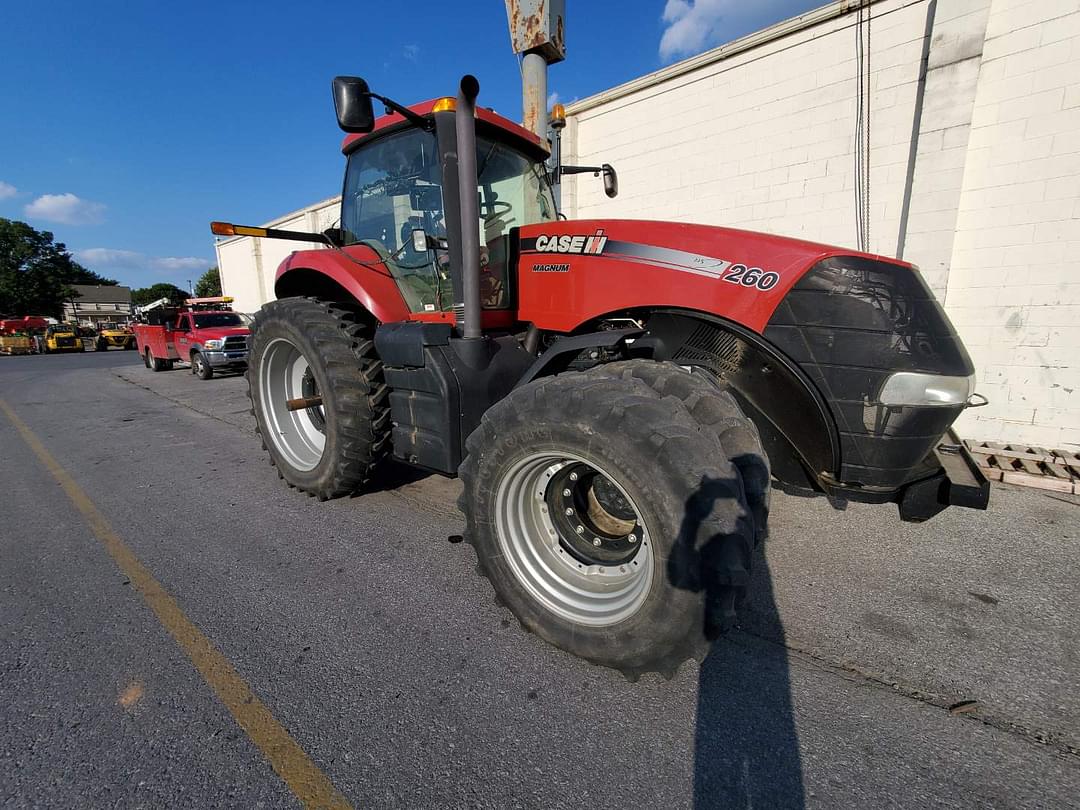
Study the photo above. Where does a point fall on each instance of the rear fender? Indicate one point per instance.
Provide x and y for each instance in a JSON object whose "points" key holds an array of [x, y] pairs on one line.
{"points": [[354, 272]]}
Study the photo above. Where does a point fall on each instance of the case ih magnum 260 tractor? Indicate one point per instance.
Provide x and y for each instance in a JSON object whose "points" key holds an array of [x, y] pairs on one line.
{"points": [[615, 395]]}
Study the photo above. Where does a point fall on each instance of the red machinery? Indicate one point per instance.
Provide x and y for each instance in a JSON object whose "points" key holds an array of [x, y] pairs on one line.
{"points": [[616, 395], [25, 325]]}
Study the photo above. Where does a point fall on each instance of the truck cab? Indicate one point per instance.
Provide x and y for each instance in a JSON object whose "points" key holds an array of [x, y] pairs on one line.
{"points": [[211, 340]]}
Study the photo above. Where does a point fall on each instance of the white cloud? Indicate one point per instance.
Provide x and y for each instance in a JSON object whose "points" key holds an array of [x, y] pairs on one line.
{"points": [[179, 263], [7, 190], [694, 25], [110, 259], [67, 209], [411, 52], [553, 98]]}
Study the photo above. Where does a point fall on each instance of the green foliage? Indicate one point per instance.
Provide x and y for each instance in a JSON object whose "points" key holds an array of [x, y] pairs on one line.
{"points": [[36, 273], [209, 284], [144, 295]]}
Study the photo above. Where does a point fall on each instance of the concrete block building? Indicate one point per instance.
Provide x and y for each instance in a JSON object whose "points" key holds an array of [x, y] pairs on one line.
{"points": [[946, 132]]}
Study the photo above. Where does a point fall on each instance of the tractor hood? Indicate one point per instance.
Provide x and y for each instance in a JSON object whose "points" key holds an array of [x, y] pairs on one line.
{"points": [[575, 271]]}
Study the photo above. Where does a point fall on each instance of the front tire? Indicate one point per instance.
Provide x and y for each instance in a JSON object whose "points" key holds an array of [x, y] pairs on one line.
{"points": [[304, 347], [647, 580], [200, 368]]}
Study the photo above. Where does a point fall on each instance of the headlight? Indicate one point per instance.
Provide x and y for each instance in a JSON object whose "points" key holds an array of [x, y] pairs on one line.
{"points": [[214, 344], [917, 388]]}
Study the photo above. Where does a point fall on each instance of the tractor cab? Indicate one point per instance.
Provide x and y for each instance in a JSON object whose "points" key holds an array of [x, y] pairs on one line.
{"points": [[394, 201], [401, 195]]}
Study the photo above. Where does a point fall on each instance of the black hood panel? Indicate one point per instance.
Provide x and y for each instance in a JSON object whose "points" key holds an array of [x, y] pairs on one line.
{"points": [[851, 322]]}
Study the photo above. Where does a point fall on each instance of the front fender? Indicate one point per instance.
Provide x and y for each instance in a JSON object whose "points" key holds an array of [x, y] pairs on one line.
{"points": [[357, 271]]}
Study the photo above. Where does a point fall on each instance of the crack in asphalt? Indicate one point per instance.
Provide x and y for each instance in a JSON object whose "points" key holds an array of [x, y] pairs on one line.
{"points": [[802, 653], [174, 400], [879, 680]]}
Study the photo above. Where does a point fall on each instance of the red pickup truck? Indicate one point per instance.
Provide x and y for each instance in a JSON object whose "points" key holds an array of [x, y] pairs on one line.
{"points": [[204, 333]]}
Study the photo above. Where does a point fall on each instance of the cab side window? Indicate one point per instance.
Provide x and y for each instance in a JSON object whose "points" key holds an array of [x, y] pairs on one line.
{"points": [[392, 186]]}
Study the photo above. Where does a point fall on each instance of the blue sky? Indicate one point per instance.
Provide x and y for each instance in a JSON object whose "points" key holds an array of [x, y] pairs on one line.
{"points": [[127, 126]]}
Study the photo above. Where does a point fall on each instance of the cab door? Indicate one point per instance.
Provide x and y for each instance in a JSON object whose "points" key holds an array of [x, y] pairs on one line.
{"points": [[178, 341]]}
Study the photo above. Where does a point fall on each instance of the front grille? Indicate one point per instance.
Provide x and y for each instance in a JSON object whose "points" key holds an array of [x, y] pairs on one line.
{"points": [[236, 343]]}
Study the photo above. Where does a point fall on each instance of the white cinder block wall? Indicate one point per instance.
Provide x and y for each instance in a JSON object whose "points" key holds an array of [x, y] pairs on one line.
{"points": [[760, 134], [1014, 282]]}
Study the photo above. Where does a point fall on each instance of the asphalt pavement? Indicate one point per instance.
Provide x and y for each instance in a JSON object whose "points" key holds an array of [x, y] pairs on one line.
{"points": [[879, 664]]}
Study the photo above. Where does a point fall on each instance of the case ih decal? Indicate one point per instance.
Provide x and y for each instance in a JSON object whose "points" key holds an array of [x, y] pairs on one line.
{"points": [[669, 258], [592, 244]]}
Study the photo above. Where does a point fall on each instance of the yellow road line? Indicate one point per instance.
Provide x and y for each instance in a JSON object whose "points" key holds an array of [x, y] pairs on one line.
{"points": [[310, 785]]}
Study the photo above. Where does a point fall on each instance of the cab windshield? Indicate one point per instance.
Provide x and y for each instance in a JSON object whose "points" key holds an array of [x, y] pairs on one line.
{"points": [[394, 186], [209, 320]]}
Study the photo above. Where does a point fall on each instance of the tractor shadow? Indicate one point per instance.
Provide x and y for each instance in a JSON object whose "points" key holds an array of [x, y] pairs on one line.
{"points": [[746, 748]]}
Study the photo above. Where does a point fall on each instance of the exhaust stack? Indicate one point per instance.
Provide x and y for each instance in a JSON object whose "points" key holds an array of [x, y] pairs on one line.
{"points": [[465, 125]]}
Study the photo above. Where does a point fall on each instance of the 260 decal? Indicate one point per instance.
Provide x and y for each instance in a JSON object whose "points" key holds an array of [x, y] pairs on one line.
{"points": [[750, 277]]}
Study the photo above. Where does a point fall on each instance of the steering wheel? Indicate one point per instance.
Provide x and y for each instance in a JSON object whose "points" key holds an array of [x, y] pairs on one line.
{"points": [[496, 209]]}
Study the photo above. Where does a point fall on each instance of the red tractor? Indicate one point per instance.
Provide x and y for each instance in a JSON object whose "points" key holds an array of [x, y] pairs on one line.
{"points": [[616, 395]]}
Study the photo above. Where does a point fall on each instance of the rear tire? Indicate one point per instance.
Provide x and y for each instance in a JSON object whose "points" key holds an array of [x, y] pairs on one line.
{"points": [[154, 363], [307, 347], [146, 358], [200, 368], [696, 538]]}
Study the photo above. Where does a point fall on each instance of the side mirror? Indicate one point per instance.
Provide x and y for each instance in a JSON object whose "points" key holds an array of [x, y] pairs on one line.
{"points": [[352, 103], [611, 180], [419, 240]]}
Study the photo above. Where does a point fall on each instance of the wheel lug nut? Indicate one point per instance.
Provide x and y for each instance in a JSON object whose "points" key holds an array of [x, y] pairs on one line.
{"points": [[569, 511], [566, 493], [573, 476], [580, 530], [596, 541], [632, 538]]}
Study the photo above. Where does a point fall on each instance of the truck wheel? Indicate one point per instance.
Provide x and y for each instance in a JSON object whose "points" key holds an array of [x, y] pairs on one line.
{"points": [[304, 347], [146, 358], [101, 345], [200, 368], [609, 520], [155, 364]]}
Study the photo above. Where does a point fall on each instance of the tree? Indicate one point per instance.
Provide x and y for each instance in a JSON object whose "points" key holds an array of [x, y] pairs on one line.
{"points": [[144, 295], [209, 284], [36, 273]]}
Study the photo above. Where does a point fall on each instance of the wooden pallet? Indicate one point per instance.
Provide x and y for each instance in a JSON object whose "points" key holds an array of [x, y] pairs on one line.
{"points": [[1027, 466]]}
